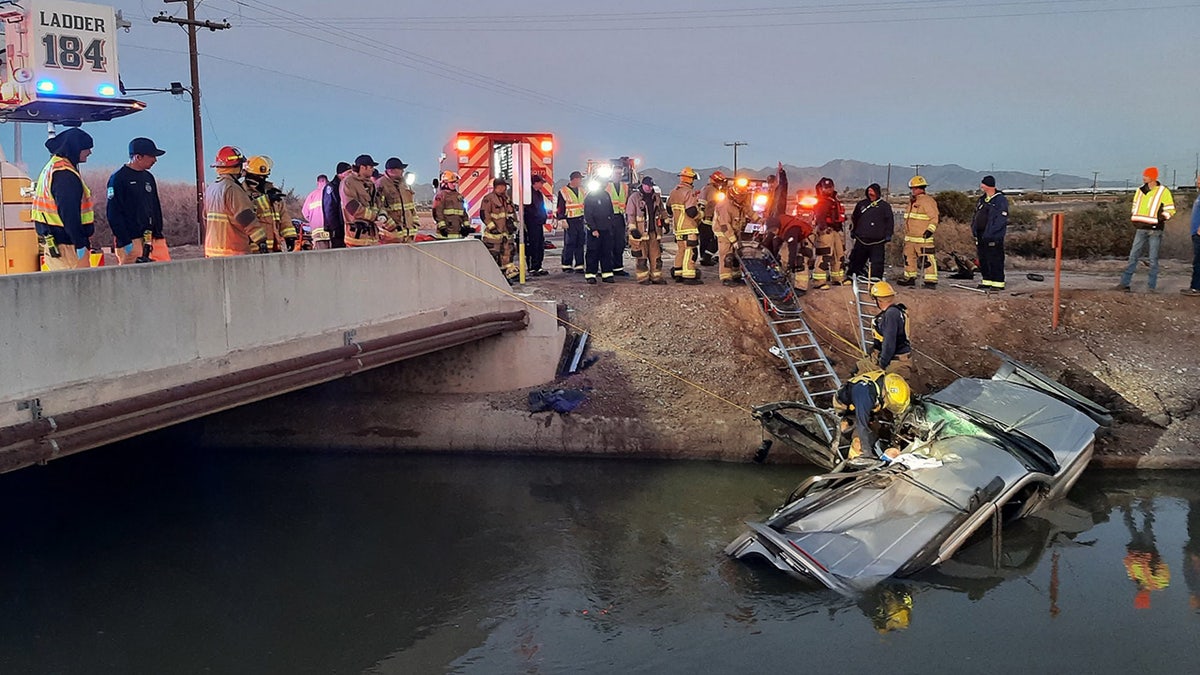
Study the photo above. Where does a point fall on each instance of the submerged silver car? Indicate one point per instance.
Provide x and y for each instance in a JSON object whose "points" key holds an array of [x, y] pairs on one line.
{"points": [[978, 452]]}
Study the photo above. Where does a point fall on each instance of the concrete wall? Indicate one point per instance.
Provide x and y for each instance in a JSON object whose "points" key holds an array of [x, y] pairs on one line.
{"points": [[101, 332]]}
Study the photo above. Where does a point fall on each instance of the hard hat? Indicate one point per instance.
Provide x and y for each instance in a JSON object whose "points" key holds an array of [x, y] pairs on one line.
{"points": [[449, 177], [716, 177], [896, 394], [229, 157], [689, 172], [894, 612], [882, 289], [918, 182], [259, 165]]}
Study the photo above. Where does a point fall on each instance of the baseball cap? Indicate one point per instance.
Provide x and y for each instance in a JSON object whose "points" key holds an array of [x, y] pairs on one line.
{"points": [[365, 160], [576, 174], [343, 167], [394, 163], [144, 146]]}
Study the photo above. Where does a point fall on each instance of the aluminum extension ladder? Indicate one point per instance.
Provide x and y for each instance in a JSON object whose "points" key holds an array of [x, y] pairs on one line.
{"points": [[864, 306], [794, 341]]}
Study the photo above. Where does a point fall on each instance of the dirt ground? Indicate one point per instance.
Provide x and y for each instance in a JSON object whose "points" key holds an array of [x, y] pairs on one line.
{"points": [[703, 350]]}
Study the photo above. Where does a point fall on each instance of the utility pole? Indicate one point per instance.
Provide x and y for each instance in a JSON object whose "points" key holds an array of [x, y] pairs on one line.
{"points": [[735, 145], [916, 169], [1095, 175], [192, 24], [1044, 172], [888, 193]]}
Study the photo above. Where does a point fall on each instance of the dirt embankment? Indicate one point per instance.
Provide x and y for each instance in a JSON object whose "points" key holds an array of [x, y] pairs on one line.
{"points": [[701, 351]]}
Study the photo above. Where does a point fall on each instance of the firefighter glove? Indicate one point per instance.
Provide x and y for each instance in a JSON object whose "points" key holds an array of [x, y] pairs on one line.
{"points": [[928, 233], [635, 233], [290, 242], [465, 231], [261, 247]]}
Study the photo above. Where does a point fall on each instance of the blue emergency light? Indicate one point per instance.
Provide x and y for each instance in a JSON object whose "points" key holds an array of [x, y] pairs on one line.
{"points": [[46, 86], [106, 90]]}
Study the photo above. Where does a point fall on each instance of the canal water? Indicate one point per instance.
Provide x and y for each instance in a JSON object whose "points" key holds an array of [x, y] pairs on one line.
{"points": [[144, 559]]}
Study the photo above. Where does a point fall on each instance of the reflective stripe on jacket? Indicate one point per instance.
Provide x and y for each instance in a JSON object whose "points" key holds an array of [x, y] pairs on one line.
{"points": [[680, 200], [225, 200], [619, 194], [43, 207], [1152, 206], [574, 202], [922, 214]]}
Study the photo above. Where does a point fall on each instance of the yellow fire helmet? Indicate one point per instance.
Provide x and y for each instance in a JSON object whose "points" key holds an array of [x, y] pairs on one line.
{"points": [[918, 182], [689, 173], [882, 289], [449, 177], [259, 165], [896, 394]]}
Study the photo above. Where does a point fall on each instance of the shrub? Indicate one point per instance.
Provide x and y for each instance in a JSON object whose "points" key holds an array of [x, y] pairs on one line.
{"points": [[1020, 218], [955, 205]]}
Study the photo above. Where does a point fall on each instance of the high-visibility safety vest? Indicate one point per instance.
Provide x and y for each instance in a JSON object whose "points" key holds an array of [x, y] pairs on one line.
{"points": [[1147, 204], [573, 201], [43, 207], [619, 194]]}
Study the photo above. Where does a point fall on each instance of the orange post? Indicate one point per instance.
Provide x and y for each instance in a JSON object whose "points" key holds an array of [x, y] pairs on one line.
{"points": [[1056, 240]]}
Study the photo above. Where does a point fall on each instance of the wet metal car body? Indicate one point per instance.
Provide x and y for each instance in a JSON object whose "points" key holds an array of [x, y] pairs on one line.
{"points": [[994, 450]]}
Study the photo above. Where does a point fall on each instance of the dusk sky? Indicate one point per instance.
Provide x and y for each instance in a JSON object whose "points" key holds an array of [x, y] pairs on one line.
{"points": [[1073, 86]]}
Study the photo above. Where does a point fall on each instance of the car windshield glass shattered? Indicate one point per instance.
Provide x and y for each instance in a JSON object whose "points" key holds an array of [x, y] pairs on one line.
{"points": [[956, 423]]}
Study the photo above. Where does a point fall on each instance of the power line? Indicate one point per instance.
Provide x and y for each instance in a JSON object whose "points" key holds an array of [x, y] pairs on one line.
{"points": [[352, 41]]}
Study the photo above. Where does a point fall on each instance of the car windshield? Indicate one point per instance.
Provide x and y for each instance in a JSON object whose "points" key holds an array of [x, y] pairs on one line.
{"points": [[958, 422]]}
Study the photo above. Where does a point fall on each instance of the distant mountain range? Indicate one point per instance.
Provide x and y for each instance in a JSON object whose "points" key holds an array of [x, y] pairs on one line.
{"points": [[851, 174]]}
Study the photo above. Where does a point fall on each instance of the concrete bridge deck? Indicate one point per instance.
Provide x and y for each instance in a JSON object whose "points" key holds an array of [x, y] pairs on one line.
{"points": [[91, 357]]}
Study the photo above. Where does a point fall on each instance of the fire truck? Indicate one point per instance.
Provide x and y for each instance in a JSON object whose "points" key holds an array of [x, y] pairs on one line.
{"points": [[58, 66], [479, 157], [621, 170]]}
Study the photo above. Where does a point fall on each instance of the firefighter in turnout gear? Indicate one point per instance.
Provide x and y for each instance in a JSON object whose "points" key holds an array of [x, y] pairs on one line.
{"points": [[399, 203], [499, 225], [62, 209], [732, 212], [646, 219], [618, 192], [569, 210], [449, 209], [268, 205], [891, 349], [829, 218], [707, 203], [685, 213], [360, 204], [231, 227], [920, 222], [863, 400]]}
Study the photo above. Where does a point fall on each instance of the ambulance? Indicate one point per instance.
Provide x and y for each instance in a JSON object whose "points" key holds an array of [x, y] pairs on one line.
{"points": [[58, 66], [479, 157]]}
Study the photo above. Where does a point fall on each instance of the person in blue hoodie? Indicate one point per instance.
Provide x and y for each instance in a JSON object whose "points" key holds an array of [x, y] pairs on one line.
{"points": [[990, 226], [871, 226]]}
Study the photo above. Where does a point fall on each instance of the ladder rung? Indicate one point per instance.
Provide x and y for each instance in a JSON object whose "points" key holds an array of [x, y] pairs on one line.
{"points": [[816, 377], [815, 394], [809, 362], [795, 333], [799, 347]]}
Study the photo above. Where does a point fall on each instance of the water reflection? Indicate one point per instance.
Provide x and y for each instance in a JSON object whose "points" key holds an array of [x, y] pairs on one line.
{"points": [[143, 561]]}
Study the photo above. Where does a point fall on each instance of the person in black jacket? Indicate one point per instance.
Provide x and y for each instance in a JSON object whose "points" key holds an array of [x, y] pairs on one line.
{"points": [[62, 204], [331, 206], [990, 226], [598, 217], [535, 228], [871, 226], [133, 208]]}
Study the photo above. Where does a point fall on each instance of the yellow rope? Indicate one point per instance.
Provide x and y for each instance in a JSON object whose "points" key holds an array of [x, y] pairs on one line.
{"points": [[608, 343]]}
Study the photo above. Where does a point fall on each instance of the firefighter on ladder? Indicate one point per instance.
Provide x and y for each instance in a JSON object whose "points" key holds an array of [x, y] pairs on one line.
{"points": [[707, 203], [920, 222], [499, 225], [646, 221], [268, 205], [684, 215], [829, 221], [398, 201], [732, 212], [449, 209]]}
